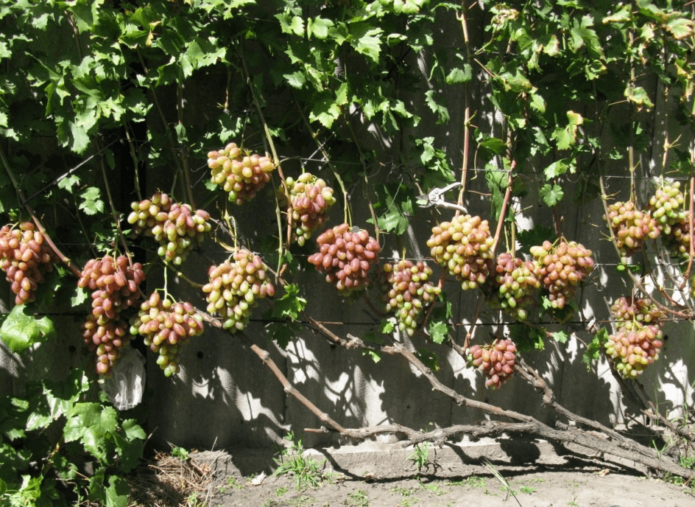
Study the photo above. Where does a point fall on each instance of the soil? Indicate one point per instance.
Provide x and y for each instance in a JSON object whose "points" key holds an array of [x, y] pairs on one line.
{"points": [[582, 488]]}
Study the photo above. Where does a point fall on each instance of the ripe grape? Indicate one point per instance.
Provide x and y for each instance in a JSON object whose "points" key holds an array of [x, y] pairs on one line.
{"points": [[631, 227], [114, 285], [514, 283], [496, 360], [562, 268], [678, 239], [310, 199], [409, 292], [239, 174], [235, 288], [346, 256], [25, 258], [176, 227], [463, 246], [165, 327], [638, 339], [666, 206]]}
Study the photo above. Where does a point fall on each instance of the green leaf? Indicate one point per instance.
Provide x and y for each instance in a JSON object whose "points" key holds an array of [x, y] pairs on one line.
{"points": [[439, 331], [91, 201], [551, 195], [296, 79], [133, 431], [557, 168], [373, 355], [318, 27], [680, 28], [81, 295], [282, 333], [458, 75], [21, 329], [69, 182], [623, 15], [291, 24], [117, 492], [440, 110], [428, 358], [593, 349], [386, 326], [560, 336], [365, 39], [638, 95], [290, 305]]}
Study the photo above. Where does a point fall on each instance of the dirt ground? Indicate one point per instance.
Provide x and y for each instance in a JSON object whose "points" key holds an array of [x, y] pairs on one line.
{"points": [[536, 489]]}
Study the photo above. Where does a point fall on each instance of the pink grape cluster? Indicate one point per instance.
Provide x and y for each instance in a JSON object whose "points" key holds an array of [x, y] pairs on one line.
{"points": [[496, 360], [176, 227], [463, 246], [346, 257], [235, 288], [239, 174], [310, 199], [25, 258], [631, 227], [114, 285], [562, 268], [409, 292], [639, 337], [515, 281], [165, 326]]}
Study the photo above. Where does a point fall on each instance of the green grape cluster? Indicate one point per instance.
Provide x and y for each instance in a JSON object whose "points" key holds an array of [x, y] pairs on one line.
{"points": [[666, 206], [409, 292], [239, 174], [310, 199], [25, 258], [346, 257], [235, 288], [463, 246], [114, 284], [514, 283], [562, 268], [631, 227], [639, 337], [176, 227], [165, 326], [496, 360]]}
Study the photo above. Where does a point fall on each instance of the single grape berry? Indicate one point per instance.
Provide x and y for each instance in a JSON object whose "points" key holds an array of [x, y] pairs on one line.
{"points": [[463, 246], [495, 360], [562, 268], [176, 227], [235, 288], [630, 227], [25, 258], [408, 292], [514, 282], [165, 326], [310, 199], [239, 174], [638, 339], [346, 257]]}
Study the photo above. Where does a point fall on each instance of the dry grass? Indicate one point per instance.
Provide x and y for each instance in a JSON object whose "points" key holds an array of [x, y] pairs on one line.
{"points": [[168, 481]]}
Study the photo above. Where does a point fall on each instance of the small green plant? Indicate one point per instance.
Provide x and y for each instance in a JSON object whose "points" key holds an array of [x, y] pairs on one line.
{"points": [[475, 482], [528, 489], [306, 471], [180, 452], [193, 501], [505, 487], [280, 491], [358, 498], [435, 488], [401, 491], [420, 456], [269, 503]]}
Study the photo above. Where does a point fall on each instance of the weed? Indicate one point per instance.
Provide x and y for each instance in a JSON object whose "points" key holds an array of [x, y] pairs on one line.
{"points": [[269, 503], [573, 503], [475, 482], [192, 501], [435, 488], [505, 487], [233, 483], [306, 471], [180, 452], [357, 499], [401, 491], [528, 489], [420, 456], [300, 501], [280, 491]]}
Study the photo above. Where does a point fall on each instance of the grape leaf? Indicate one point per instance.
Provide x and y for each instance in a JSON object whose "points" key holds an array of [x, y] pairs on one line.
{"points": [[69, 182], [440, 110], [318, 27], [80, 297], [22, 329], [560, 336], [557, 168], [458, 75], [386, 326], [91, 201], [551, 195], [373, 355], [365, 39], [593, 349], [117, 492], [438, 330], [290, 305]]}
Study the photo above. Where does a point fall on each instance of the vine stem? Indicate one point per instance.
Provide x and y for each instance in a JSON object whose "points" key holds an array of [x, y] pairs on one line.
{"points": [[184, 156], [70, 264], [503, 211], [136, 161], [691, 249], [635, 280], [116, 215], [366, 182], [178, 273], [466, 112]]}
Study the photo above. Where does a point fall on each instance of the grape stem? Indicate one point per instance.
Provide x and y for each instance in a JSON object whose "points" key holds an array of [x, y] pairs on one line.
{"points": [[180, 275], [635, 280], [116, 215], [366, 182], [136, 162], [466, 112], [503, 211], [70, 264], [691, 249]]}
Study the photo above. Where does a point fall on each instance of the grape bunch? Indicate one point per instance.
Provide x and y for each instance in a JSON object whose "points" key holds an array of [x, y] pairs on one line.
{"points": [[346, 256], [562, 268], [678, 238], [239, 174], [666, 206], [114, 285], [25, 258], [235, 288], [176, 227], [514, 283], [639, 337], [309, 198], [166, 327], [496, 360], [630, 227], [463, 246], [409, 292]]}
